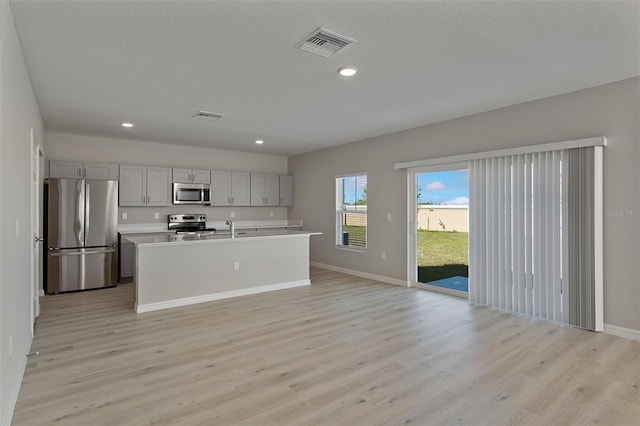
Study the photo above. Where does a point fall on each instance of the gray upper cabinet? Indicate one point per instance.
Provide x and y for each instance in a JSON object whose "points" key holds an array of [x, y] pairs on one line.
{"points": [[286, 190], [145, 186], [265, 189], [230, 188], [80, 170], [191, 175], [240, 188]]}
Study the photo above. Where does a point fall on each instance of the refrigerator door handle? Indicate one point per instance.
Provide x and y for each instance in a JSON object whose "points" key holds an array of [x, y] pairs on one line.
{"points": [[55, 253], [87, 206], [80, 218]]}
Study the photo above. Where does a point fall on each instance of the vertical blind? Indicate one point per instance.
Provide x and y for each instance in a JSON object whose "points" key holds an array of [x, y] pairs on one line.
{"points": [[531, 245]]}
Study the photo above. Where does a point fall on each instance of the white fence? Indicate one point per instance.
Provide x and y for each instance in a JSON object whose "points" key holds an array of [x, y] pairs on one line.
{"points": [[443, 218], [430, 217]]}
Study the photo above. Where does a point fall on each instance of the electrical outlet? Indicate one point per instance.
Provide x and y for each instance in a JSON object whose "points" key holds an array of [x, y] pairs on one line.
{"points": [[233, 214], [270, 214], [17, 228], [388, 217], [383, 255], [236, 266], [156, 215], [124, 216]]}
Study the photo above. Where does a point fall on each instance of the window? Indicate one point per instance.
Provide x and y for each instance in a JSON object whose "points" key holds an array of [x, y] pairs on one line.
{"points": [[351, 211]]}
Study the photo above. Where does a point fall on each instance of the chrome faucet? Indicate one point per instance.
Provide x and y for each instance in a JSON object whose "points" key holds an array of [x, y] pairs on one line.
{"points": [[232, 228]]}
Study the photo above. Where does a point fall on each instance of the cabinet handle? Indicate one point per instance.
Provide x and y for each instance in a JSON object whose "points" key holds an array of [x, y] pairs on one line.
{"points": [[80, 172]]}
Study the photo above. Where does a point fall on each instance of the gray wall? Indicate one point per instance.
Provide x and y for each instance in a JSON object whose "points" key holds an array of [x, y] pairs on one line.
{"points": [[61, 146], [612, 110], [18, 114]]}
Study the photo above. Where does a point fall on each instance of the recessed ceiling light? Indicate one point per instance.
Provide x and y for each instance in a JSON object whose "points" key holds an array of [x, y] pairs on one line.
{"points": [[347, 71], [259, 142], [127, 125]]}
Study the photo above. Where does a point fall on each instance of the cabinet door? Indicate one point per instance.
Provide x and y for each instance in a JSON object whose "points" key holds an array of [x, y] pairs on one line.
{"points": [[257, 189], [286, 190], [241, 188], [133, 184], [128, 260], [201, 176], [272, 190], [65, 169], [159, 186], [101, 171], [220, 186], [182, 175]]}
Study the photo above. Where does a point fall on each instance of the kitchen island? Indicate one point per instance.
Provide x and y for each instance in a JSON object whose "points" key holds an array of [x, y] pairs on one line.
{"points": [[177, 270]]}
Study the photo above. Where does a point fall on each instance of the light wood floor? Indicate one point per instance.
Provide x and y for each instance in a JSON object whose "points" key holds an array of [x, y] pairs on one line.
{"points": [[344, 351]]}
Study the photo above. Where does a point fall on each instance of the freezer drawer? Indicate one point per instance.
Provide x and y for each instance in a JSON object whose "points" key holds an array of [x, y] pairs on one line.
{"points": [[81, 269]]}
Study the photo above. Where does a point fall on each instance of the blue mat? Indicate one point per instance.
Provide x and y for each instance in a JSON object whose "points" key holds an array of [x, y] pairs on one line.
{"points": [[453, 283]]}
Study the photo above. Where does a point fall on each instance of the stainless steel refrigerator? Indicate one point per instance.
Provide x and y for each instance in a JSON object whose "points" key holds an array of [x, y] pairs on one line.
{"points": [[82, 234]]}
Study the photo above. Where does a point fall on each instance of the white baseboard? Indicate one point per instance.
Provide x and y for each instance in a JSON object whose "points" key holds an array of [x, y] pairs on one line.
{"points": [[13, 398], [381, 278], [148, 307], [629, 333]]}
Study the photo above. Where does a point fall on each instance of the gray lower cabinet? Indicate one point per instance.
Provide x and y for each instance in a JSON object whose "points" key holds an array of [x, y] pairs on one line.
{"points": [[127, 260], [128, 253]]}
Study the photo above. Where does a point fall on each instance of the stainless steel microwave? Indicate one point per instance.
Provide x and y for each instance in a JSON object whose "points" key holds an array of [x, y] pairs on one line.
{"points": [[192, 193]]}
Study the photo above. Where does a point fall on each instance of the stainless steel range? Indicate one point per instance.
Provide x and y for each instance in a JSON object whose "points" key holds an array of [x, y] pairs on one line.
{"points": [[190, 224]]}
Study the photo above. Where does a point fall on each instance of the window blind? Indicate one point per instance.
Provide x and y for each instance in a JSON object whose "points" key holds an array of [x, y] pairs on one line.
{"points": [[351, 211]]}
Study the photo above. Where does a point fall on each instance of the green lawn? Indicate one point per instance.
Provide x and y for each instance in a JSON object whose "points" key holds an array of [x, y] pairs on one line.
{"points": [[442, 254], [357, 235]]}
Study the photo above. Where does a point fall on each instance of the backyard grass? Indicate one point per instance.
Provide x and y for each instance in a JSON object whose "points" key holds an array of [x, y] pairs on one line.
{"points": [[357, 235], [442, 254]]}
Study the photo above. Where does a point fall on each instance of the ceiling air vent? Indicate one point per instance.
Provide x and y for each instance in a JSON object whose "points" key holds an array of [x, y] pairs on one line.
{"points": [[207, 114], [325, 43]]}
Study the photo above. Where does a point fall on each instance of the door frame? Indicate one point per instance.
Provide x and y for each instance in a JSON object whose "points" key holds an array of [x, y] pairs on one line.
{"points": [[412, 213], [35, 173]]}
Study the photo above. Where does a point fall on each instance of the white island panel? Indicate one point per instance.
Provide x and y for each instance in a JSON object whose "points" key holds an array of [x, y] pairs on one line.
{"points": [[182, 273]]}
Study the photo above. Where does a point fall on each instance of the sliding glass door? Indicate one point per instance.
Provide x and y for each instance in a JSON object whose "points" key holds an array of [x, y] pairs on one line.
{"points": [[440, 231]]}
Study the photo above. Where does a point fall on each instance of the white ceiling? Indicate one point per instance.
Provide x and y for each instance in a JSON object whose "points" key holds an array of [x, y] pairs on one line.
{"points": [[94, 64]]}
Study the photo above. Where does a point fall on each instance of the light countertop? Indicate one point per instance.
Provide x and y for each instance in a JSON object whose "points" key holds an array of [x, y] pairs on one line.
{"points": [[223, 236], [161, 228]]}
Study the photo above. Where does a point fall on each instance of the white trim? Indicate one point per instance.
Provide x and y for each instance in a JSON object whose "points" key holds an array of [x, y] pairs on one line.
{"points": [[628, 333], [443, 290], [13, 397], [148, 307], [381, 278], [412, 212], [598, 236], [554, 146], [349, 175], [412, 227]]}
